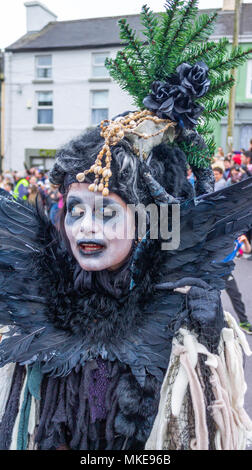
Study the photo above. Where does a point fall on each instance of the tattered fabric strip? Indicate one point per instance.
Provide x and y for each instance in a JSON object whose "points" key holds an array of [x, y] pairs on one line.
{"points": [[12, 407], [227, 379]]}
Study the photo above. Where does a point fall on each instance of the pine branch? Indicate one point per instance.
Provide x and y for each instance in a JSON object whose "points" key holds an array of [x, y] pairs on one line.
{"points": [[200, 31], [171, 7], [118, 73], [206, 52], [218, 87], [126, 74], [204, 129], [199, 157], [203, 28], [130, 67], [237, 57], [174, 45], [150, 22], [214, 110], [127, 34]]}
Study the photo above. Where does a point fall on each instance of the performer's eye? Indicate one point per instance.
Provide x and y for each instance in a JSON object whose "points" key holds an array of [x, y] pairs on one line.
{"points": [[76, 211], [105, 212]]}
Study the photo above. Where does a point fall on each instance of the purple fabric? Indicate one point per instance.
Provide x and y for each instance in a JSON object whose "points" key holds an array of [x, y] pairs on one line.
{"points": [[97, 391]]}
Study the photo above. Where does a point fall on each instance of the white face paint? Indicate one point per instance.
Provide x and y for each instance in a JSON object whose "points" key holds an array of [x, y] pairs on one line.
{"points": [[100, 229]]}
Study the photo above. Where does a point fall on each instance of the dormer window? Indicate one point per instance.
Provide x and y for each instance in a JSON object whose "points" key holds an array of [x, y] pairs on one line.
{"points": [[43, 67], [98, 65]]}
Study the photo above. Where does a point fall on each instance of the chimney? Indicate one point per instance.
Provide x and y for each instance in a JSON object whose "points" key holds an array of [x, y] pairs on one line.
{"points": [[37, 16], [228, 5]]}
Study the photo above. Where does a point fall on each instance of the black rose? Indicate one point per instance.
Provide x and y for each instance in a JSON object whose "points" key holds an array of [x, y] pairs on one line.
{"points": [[172, 102], [194, 78], [160, 92], [175, 98]]}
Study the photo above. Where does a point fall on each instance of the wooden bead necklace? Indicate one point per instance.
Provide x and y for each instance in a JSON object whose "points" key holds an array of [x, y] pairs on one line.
{"points": [[113, 132]]}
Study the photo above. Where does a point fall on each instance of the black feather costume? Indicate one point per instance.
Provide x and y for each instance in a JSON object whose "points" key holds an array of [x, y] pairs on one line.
{"points": [[92, 349]]}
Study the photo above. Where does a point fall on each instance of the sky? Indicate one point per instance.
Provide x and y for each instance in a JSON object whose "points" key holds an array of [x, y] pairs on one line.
{"points": [[13, 12]]}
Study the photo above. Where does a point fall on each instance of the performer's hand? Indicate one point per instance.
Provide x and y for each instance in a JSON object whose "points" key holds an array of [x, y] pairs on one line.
{"points": [[206, 311]]}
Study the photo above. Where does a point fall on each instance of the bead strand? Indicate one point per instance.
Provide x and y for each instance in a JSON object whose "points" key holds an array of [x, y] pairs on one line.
{"points": [[113, 132]]}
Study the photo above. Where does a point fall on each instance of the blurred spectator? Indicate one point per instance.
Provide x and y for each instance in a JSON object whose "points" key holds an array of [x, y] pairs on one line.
{"points": [[8, 186], [237, 174], [247, 162], [9, 177], [33, 190], [220, 182], [250, 146], [53, 198], [235, 295], [21, 186], [1, 180], [220, 154], [227, 171], [237, 159], [190, 176]]}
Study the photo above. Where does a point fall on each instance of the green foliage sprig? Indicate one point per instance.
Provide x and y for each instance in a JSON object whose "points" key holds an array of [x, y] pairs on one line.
{"points": [[170, 38]]}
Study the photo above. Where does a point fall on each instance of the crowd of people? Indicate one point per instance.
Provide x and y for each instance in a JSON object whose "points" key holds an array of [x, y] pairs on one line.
{"points": [[33, 186], [233, 167], [229, 169]]}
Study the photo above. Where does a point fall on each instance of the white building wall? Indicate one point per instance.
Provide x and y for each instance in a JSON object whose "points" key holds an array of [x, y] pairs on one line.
{"points": [[71, 85]]}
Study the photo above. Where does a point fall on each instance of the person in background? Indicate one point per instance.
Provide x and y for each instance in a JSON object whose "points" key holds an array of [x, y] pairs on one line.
{"points": [[33, 190], [250, 146], [8, 186], [1, 180], [237, 174], [41, 178], [190, 176], [220, 153], [237, 159], [227, 171], [21, 186], [247, 162], [52, 203], [235, 295], [220, 182]]}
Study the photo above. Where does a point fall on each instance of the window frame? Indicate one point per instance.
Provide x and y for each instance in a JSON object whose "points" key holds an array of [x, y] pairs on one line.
{"points": [[99, 77], [38, 107], [37, 56], [92, 107]]}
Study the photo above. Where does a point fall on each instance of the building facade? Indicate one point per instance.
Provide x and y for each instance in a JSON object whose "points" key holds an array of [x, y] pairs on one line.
{"points": [[56, 84]]}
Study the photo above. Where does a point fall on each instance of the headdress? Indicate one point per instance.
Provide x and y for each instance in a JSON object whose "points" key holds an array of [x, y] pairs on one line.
{"points": [[177, 78]]}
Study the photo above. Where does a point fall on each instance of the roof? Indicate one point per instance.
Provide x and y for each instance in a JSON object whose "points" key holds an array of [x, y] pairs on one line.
{"points": [[104, 32]]}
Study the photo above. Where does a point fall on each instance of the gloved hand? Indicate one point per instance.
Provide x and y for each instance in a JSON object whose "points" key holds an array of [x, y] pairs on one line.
{"points": [[206, 314]]}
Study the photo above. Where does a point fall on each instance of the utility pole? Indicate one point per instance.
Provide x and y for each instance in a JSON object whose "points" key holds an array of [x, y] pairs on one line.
{"points": [[231, 104]]}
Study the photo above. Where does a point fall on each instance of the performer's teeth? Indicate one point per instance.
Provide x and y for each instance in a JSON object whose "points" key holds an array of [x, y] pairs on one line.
{"points": [[91, 247]]}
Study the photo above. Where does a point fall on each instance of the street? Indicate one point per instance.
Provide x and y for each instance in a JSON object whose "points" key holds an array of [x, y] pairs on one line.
{"points": [[243, 276]]}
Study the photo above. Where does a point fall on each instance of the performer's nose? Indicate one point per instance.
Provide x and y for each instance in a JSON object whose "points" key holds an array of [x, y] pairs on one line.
{"points": [[89, 224]]}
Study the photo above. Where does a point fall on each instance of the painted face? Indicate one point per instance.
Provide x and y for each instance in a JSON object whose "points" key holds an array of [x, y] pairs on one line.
{"points": [[100, 229]]}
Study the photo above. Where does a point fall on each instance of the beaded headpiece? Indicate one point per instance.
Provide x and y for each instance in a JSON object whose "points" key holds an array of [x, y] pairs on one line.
{"points": [[113, 131]]}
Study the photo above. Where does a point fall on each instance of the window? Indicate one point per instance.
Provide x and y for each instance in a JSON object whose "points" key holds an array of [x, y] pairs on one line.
{"points": [[249, 79], [99, 106], [44, 107], [98, 68], [43, 66]]}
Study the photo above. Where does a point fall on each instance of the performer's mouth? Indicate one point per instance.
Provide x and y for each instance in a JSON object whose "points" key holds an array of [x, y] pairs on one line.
{"points": [[90, 247]]}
